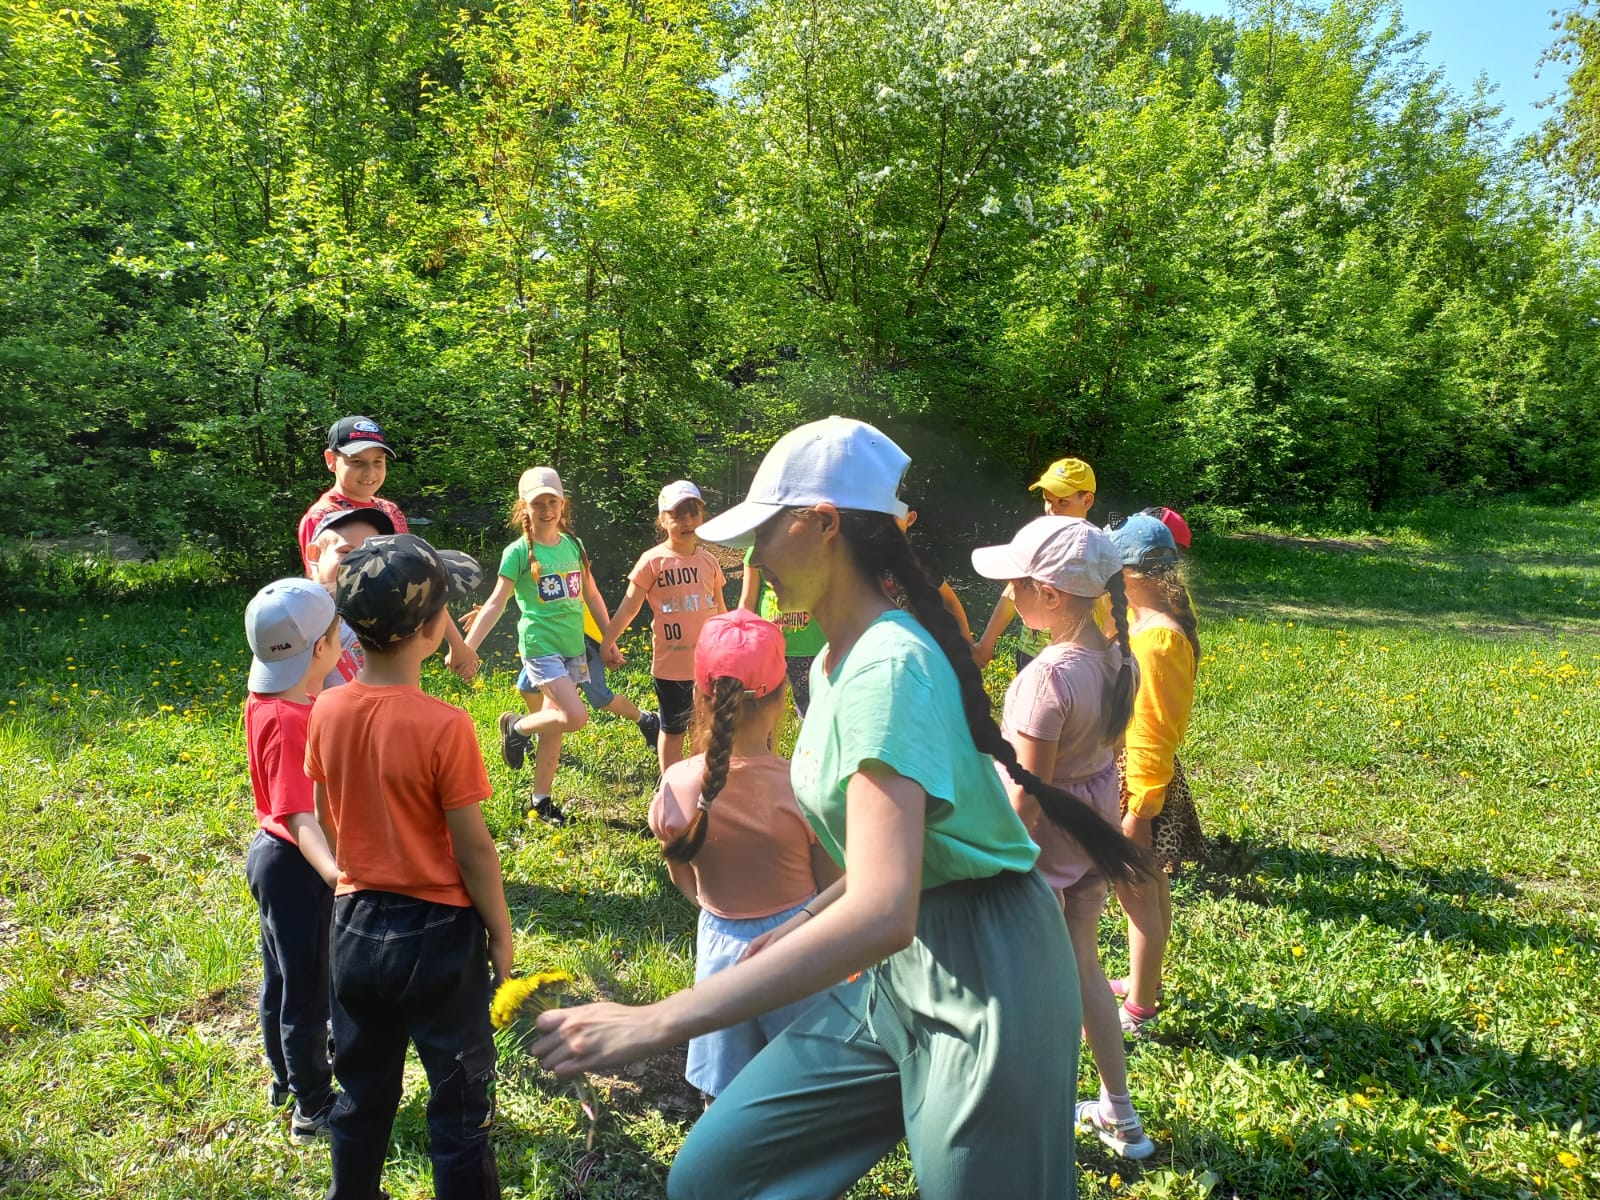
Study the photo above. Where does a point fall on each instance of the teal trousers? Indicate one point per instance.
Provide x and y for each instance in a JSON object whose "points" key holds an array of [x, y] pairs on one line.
{"points": [[965, 1043]]}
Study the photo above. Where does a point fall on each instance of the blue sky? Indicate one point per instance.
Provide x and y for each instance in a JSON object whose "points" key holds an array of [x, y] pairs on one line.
{"points": [[1498, 38]]}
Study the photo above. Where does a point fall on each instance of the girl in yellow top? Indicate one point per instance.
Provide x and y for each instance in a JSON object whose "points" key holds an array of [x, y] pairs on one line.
{"points": [[1158, 812]]}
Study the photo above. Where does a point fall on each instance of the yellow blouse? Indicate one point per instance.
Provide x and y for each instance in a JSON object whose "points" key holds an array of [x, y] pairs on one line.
{"points": [[1160, 715]]}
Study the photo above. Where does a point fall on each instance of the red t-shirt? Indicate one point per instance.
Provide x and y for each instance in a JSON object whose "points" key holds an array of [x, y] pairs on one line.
{"points": [[331, 501], [275, 743], [394, 761]]}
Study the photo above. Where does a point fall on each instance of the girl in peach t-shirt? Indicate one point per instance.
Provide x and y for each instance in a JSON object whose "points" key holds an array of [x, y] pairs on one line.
{"points": [[758, 863], [683, 582]]}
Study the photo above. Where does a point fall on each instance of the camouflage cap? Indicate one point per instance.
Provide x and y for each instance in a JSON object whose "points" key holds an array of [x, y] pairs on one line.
{"points": [[390, 586]]}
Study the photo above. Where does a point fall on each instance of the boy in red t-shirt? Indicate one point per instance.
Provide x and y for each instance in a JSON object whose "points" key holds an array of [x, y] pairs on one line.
{"points": [[294, 636], [358, 454], [420, 911]]}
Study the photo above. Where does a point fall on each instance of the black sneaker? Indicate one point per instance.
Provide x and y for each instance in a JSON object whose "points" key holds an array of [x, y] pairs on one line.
{"points": [[544, 809], [278, 1094], [306, 1129], [513, 744], [650, 727]]}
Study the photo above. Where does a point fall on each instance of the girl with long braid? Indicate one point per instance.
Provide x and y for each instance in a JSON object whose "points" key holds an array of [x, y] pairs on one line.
{"points": [[1158, 811], [963, 1036], [1065, 712], [756, 863]]}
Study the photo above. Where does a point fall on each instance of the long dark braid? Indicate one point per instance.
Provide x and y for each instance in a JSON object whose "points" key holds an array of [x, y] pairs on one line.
{"points": [[1120, 710], [727, 699], [878, 547]]}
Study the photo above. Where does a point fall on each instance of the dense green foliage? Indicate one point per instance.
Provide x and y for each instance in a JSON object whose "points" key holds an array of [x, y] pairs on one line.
{"points": [[1234, 263]]}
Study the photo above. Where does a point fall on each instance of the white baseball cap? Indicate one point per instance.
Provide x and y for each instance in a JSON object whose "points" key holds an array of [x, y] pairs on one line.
{"points": [[675, 493], [838, 460], [1068, 553], [282, 624], [539, 481]]}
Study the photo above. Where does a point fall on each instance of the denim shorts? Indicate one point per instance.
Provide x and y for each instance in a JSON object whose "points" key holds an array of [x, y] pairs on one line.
{"points": [[594, 688], [547, 668]]}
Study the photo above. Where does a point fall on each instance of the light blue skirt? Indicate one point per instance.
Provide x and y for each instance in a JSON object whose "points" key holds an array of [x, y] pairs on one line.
{"points": [[715, 1058]]}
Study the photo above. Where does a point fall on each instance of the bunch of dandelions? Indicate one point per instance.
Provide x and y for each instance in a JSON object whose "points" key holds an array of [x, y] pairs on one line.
{"points": [[526, 998]]}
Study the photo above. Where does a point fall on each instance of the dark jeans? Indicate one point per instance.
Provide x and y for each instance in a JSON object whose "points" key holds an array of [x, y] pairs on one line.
{"points": [[296, 910], [407, 968]]}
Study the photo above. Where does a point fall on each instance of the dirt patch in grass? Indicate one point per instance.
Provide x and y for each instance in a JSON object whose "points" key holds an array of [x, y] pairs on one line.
{"points": [[656, 1083]]}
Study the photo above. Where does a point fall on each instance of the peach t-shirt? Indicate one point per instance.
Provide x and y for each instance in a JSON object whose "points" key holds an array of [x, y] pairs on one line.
{"points": [[395, 760], [756, 860], [683, 590]]}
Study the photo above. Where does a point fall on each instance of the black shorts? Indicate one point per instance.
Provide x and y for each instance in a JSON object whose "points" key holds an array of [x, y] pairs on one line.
{"points": [[675, 701]]}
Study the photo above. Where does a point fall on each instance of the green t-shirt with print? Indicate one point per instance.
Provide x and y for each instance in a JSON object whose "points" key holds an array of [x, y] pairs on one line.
{"points": [[551, 600], [802, 636], [895, 700]]}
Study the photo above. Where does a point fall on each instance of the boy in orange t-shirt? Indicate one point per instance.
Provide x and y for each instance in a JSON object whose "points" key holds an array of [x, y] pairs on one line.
{"points": [[419, 912]]}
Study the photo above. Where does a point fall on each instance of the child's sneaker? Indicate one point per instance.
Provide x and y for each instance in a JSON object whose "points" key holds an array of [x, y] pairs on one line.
{"points": [[305, 1128], [650, 727], [1126, 1138], [543, 808], [1135, 1022], [278, 1094], [513, 743]]}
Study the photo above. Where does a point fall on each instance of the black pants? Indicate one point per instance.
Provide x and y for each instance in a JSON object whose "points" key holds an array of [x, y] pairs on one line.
{"points": [[296, 909], [408, 969]]}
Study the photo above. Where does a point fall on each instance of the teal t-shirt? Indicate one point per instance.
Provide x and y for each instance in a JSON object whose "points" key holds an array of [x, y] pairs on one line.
{"points": [[551, 604], [802, 637], [895, 700]]}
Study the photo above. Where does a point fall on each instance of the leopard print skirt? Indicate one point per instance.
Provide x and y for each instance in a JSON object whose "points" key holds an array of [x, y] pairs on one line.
{"points": [[1175, 834]]}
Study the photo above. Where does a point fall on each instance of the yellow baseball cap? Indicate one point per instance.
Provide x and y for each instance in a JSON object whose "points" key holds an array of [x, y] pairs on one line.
{"points": [[1066, 476]]}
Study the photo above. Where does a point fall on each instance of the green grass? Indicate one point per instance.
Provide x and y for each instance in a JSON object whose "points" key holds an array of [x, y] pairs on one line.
{"points": [[1383, 985]]}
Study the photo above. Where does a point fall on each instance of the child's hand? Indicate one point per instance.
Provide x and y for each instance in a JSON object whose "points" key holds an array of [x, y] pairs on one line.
{"points": [[500, 958], [983, 655], [463, 660], [761, 942], [612, 659], [470, 619]]}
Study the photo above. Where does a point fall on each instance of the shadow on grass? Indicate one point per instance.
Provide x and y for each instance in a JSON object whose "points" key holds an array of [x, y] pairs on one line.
{"points": [[567, 913], [1442, 902], [1375, 585]]}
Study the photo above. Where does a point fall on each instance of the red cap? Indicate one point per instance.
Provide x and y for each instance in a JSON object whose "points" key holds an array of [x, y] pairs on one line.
{"points": [[1176, 525], [742, 646]]}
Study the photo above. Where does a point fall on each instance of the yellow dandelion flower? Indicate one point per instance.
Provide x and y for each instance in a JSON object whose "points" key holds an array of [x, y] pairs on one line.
{"points": [[1567, 1159], [1298, 951], [529, 996]]}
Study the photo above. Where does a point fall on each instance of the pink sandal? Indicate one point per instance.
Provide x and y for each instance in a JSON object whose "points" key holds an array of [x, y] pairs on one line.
{"points": [[1126, 1138]]}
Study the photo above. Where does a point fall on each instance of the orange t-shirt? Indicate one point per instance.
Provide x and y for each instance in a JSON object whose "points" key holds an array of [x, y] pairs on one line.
{"points": [[756, 860], [395, 760], [683, 590]]}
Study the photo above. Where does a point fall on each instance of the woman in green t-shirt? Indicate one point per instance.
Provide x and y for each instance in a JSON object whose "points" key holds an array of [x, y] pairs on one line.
{"points": [[963, 1038]]}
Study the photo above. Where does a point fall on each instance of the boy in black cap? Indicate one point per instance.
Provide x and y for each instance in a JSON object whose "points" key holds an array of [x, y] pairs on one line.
{"points": [[420, 914], [358, 454]]}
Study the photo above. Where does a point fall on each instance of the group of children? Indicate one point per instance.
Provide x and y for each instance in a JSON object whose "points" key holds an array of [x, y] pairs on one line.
{"points": [[379, 885]]}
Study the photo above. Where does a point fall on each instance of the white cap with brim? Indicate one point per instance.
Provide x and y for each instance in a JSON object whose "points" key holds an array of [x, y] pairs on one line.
{"points": [[1068, 553], [540, 481], [675, 493], [282, 624], [838, 461]]}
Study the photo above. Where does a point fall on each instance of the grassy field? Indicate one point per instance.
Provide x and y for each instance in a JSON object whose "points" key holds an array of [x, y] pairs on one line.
{"points": [[1384, 983]]}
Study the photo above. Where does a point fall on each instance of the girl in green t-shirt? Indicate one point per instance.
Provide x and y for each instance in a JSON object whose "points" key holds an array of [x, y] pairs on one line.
{"points": [[548, 572], [963, 1038]]}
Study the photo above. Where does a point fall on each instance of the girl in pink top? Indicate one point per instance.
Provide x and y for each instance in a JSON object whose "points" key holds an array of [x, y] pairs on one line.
{"points": [[1065, 713], [758, 863], [683, 582]]}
